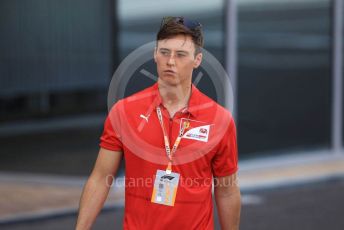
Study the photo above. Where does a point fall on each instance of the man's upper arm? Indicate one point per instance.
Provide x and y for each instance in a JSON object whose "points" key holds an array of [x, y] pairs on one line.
{"points": [[111, 147], [225, 161], [107, 162], [226, 183]]}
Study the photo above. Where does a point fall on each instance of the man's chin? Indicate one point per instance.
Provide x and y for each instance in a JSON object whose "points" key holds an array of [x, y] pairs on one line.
{"points": [[169, 81]]}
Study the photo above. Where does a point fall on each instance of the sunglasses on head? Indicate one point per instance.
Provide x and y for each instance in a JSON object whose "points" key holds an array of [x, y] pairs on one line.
{"points": [[191, 25]]}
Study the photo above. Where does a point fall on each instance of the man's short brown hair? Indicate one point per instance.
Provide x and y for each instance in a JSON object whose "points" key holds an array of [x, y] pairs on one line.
{"points": [[172, 26]]}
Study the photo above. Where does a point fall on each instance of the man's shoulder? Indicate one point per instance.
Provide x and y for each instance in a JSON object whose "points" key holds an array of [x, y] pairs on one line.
{"points": [[212, 106], [143, 94], [216, 114]]}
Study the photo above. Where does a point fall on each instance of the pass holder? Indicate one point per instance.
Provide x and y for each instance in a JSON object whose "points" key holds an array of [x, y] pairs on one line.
{"points": [[166, 181], [169, 168], [165, 188]]}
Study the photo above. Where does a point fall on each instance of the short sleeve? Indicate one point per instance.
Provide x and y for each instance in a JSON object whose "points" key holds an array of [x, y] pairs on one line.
{"points": [[110, 138], [225, 160]]}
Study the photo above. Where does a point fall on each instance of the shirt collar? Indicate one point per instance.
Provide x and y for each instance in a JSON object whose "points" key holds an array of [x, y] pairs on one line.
{"points": [[193, 103]]}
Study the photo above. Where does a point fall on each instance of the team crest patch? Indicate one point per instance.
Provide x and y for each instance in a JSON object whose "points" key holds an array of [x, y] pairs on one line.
{"points": [[200, 133]]}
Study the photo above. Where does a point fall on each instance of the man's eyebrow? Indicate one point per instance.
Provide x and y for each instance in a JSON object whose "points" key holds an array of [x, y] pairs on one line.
{"points": [[182, 51], [164, 49]]}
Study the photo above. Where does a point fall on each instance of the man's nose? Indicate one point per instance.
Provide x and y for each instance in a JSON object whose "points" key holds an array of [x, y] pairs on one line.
{"points": [[171, 60]]}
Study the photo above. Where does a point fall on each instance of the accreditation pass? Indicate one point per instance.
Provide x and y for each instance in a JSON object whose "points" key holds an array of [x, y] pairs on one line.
{"points": [[165, 188]]}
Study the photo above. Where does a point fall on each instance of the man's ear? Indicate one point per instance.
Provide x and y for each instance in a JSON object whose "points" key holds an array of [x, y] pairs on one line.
{"points": [[198, 60], [155, 50]]}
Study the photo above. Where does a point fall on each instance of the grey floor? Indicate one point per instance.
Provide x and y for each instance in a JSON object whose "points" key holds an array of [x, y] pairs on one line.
{"points": [[308, 206]]}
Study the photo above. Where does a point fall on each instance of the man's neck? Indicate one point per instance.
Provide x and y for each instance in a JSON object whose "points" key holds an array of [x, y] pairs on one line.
{"points": [[176, 97]]}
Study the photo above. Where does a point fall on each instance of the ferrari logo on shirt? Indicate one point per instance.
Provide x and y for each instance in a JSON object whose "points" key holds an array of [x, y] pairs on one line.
{"points": [[186, 125], [200, 133]]}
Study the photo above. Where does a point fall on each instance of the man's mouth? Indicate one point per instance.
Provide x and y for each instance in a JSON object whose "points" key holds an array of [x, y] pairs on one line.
{"points": [[169, 72]]}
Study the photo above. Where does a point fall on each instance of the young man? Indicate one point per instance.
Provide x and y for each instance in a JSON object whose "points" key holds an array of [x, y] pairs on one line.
{"points": [[175, 139]]}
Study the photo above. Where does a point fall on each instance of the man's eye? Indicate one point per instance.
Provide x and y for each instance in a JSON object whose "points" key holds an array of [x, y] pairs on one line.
{"points": [[163, 52], [181, 55]]}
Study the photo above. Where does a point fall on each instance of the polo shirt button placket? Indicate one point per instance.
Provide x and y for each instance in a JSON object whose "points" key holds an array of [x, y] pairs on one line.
{"points": [[170, 126]]}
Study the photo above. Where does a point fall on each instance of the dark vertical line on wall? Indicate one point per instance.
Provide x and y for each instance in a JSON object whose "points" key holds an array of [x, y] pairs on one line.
{"points": [[114, 31]]}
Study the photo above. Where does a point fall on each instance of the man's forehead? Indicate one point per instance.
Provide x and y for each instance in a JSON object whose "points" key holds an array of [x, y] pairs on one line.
{"points": [[180, 42]]}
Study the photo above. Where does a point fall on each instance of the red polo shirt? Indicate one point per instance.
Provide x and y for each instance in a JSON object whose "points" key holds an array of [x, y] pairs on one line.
{"points": [[208, 149]]}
